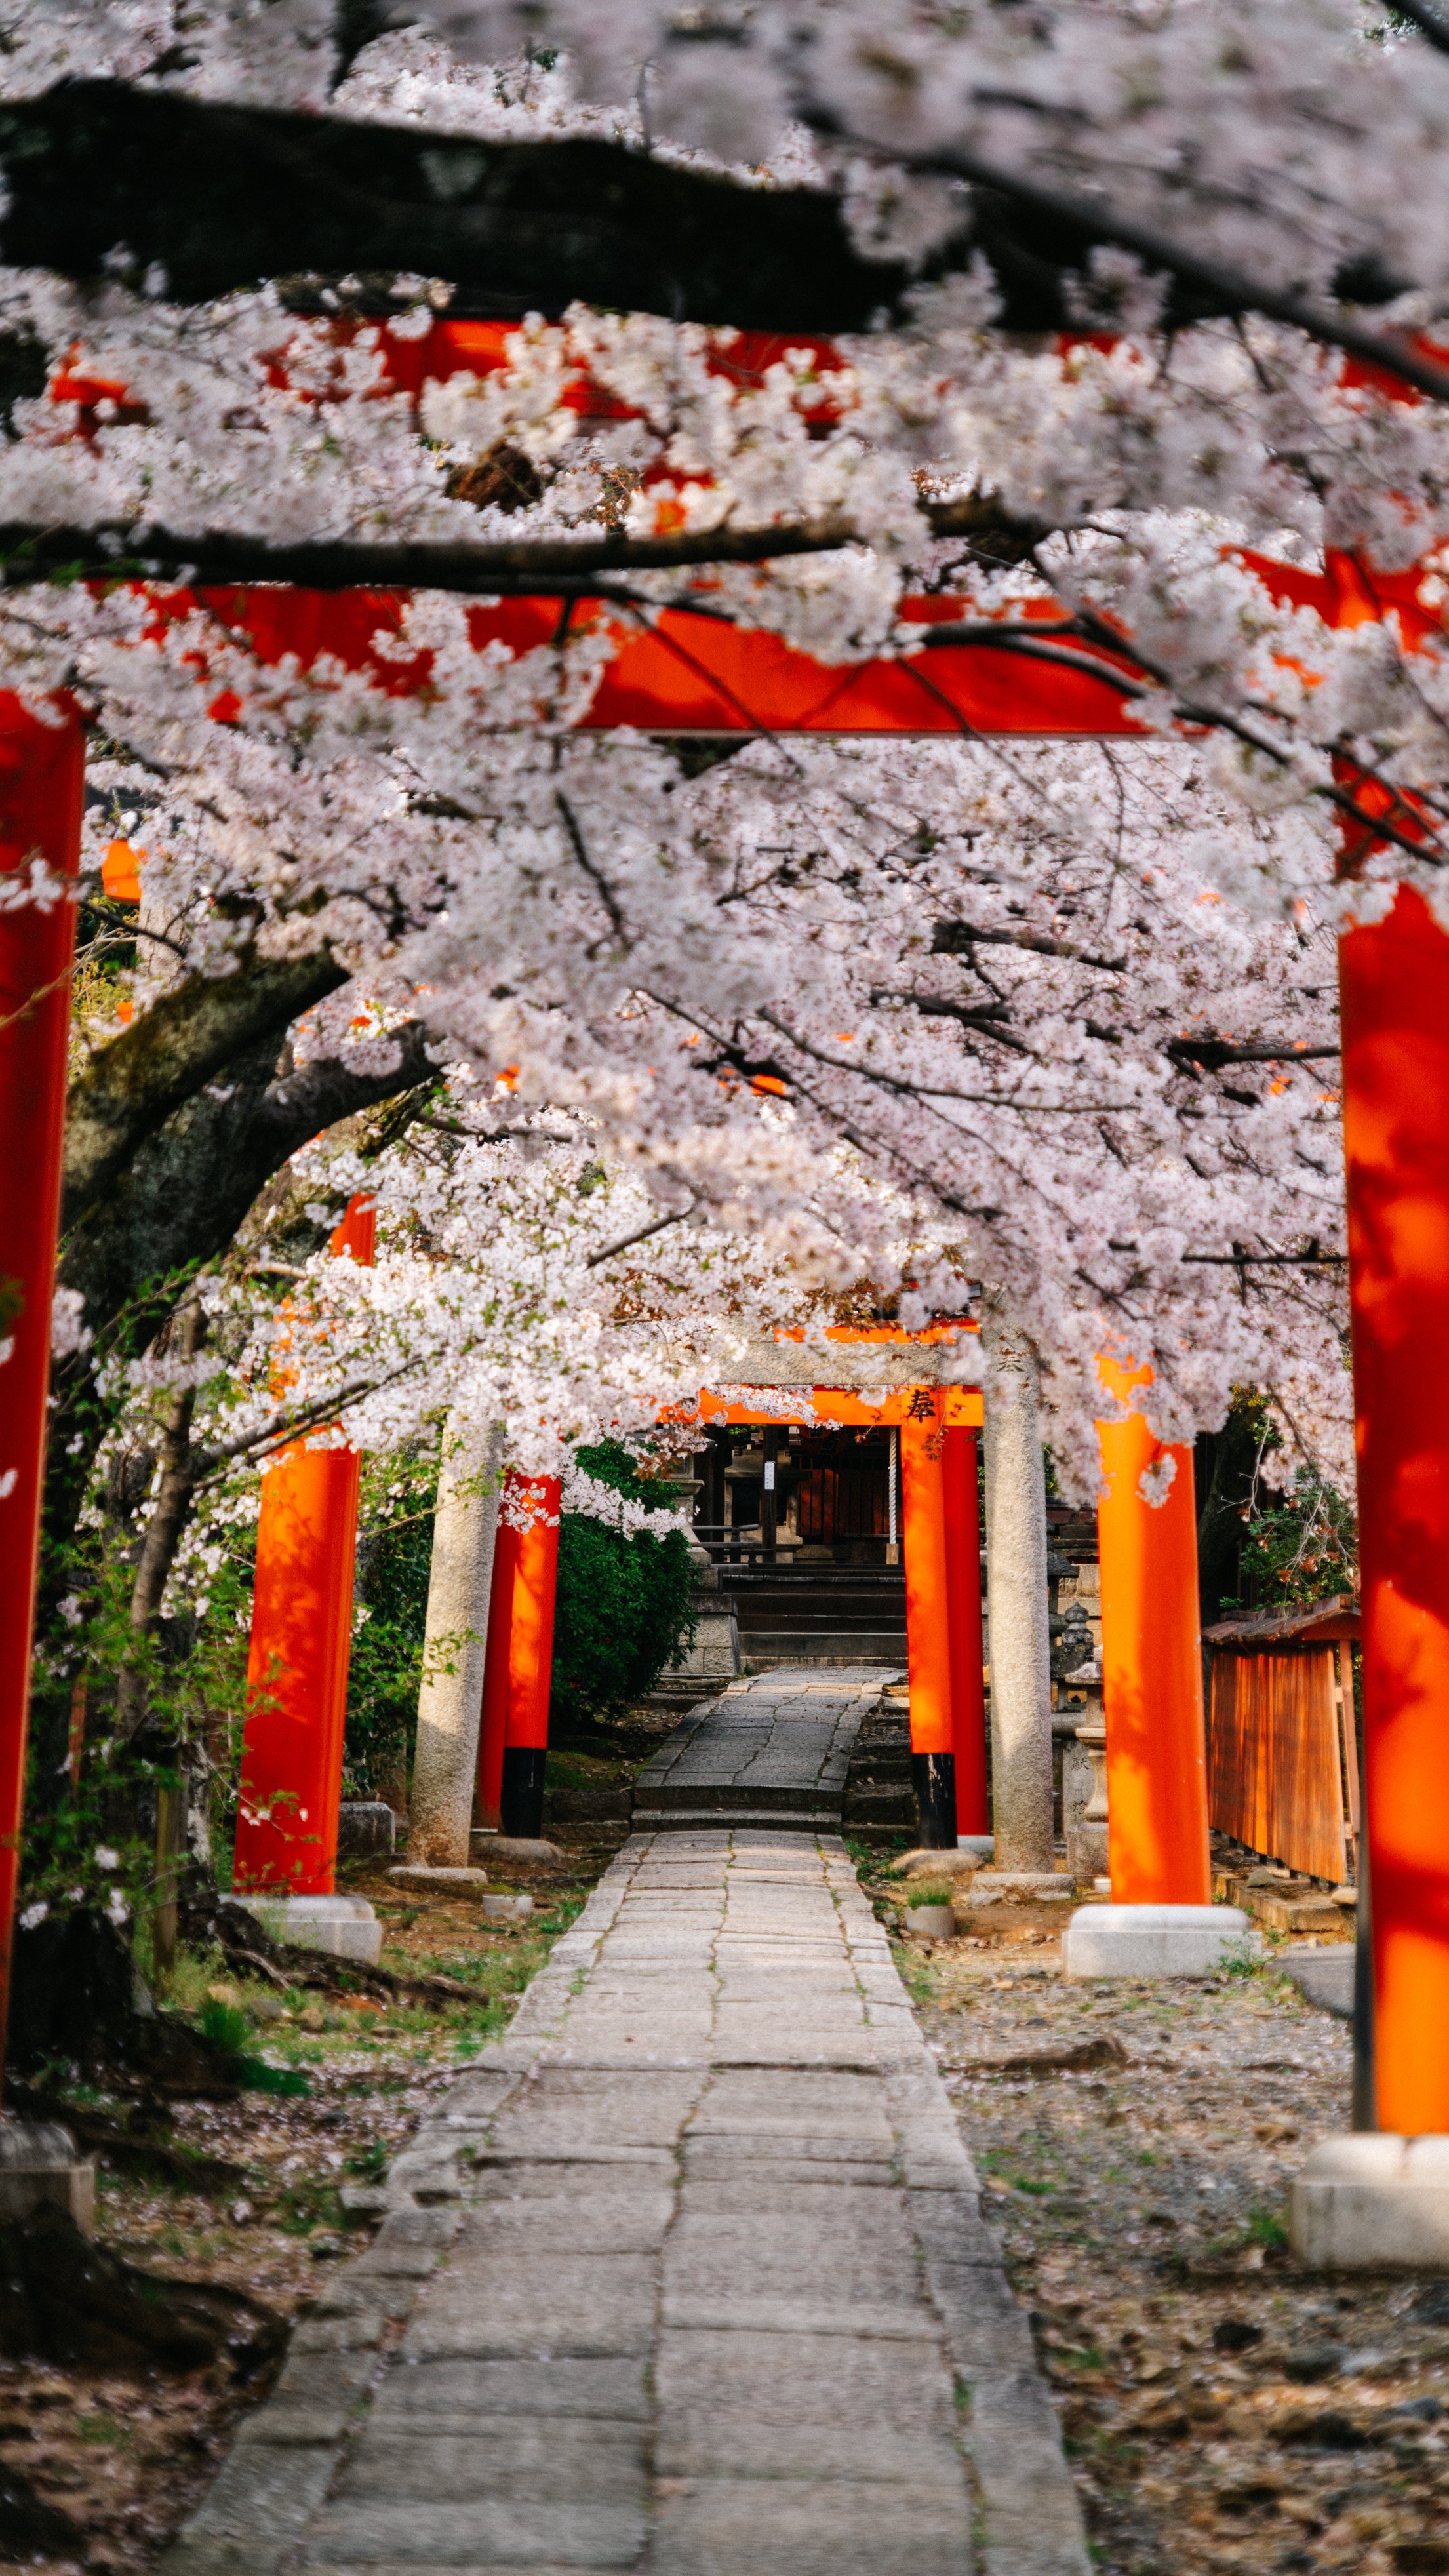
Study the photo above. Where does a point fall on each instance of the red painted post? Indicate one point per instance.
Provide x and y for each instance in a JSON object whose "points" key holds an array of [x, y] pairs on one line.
{"points": [[1151, 1667], [1394, 980], [928, 1621], [291, 1766], [968, 1694], [40, 809], [513, 1736]]}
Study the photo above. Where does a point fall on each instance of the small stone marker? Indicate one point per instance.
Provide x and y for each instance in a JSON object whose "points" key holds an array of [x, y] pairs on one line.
{"points": [[366, 1827], [38, 2162], [344, 1926]]}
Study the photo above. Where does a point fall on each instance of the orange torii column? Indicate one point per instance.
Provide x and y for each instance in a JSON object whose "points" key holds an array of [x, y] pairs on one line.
{"points": [[968, 1691], [1370, 2201], [40, 811], [1161, 1921], [513, 1736], [1367, 2201], [928, 1619], [291, 1764]]}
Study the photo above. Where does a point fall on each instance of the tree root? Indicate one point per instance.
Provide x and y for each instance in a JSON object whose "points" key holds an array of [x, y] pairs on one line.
{"points": [[77, 2303], [281, 1963], [131, 2144], [30, 2526]]}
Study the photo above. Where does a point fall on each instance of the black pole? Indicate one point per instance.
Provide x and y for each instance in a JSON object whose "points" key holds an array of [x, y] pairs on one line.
{"points": [[933, 1777], [1365, 2083], [768, 1522], [520, 1805]]}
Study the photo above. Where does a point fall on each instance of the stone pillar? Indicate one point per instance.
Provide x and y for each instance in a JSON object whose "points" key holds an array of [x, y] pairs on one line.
{"points": [[450, 1702], [1016, 1580]]}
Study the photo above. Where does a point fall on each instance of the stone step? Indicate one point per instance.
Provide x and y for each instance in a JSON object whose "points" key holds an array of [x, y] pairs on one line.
{"points": [[680, 1820], [765, 1798], [763, 1646], [880, 1807]]}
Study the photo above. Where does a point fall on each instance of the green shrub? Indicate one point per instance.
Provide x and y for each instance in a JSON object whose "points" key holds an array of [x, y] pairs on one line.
{"points": [[229, 2031], [622, 1610]]}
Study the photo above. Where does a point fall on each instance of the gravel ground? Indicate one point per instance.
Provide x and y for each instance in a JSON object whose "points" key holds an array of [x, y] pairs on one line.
{"points": [[1222, 2408]]}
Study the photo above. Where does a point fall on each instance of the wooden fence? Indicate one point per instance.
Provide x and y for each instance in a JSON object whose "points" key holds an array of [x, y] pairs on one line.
{"points": [[1282, 1759]]}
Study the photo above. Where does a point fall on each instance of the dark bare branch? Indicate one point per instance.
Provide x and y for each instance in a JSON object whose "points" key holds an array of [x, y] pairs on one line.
{"points": [[1213, 1053], [553, 567], [220, 197]]}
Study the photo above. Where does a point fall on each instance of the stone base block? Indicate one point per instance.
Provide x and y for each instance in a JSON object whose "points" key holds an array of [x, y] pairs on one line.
{"points": [[345, 1926], [924, 1863], [1373, 2203], [437, 1879], [38, 2163], [513, 1847], [366, 1829], [982, 1847], [1023, 1886], [1152, 1940], [1086, 1852]]}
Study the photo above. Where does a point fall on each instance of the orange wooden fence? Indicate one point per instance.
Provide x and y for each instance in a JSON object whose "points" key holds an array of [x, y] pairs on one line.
{"points": [[1282, 1759]]}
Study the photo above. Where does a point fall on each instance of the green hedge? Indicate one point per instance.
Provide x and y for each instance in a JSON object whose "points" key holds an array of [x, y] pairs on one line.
{"points": [[623, 1603]]}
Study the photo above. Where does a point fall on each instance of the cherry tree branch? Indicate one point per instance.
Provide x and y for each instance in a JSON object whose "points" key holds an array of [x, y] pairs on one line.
{"points": [[555, 567]]}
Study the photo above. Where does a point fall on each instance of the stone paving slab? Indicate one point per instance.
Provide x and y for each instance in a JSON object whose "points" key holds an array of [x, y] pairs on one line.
{"points": [[774, 1745], [733, 2313]]}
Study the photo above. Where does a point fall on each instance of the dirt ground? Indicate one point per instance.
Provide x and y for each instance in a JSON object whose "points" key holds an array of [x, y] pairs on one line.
{"points": [[1222, 2409], [127, 2457]]}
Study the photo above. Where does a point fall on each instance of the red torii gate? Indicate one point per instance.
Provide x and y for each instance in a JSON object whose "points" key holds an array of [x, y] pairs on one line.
{"points": [[686, 673]]}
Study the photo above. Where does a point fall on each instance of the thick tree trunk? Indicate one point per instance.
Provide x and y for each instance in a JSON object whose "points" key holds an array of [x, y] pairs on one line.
{"points": [[134, 1084]]}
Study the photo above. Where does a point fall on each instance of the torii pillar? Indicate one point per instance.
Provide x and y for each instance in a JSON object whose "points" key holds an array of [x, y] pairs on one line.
{"points": [[291, 1764], [513, 1736], [41, 768], [1379, 2200], [1161, 1921]]}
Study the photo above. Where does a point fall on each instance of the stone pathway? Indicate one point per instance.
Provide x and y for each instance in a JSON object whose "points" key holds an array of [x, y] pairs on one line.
{"points": [[686, 2276], [775, 1746]]}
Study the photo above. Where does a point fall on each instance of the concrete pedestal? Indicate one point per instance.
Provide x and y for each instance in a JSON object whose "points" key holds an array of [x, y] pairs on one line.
{"points": [[1152, 1940], [38, 2163], [1373, 2202], [344, 1926]]}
